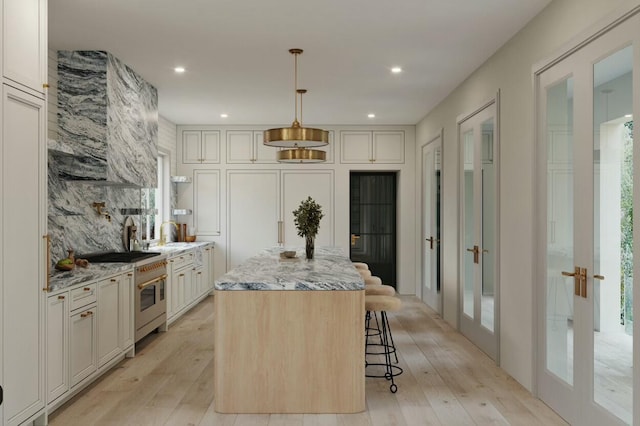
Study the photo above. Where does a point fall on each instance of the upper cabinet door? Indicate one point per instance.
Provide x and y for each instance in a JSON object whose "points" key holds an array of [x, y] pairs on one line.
{"points": [[388, 147], [24, 43], [191, 144], [210, 148], [240, 146], [355, 147], [261, 152]]}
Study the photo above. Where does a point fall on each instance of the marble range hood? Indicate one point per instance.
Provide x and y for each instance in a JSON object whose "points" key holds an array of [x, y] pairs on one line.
{"points": [[108, 116]]}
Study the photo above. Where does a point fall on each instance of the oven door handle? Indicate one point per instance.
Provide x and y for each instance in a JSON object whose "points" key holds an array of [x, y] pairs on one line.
{"points": [[153, 281]]}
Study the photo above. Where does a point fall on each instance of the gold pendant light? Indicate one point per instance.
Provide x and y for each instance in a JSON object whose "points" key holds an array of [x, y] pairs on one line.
{"points": [[296, 137], [301, 155]]}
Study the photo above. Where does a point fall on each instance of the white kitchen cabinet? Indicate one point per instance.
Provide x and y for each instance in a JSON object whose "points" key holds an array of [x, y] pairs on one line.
{"points": [[246, 146], [206, 202], [126, 311], [198, 283], [57, 346], [24, 43], [181, 288], [261, 205], [200, 146], [22, 255], [253, 203], [108, 320], [378, 147], [82, 344], [209, 261], [297, 185]]}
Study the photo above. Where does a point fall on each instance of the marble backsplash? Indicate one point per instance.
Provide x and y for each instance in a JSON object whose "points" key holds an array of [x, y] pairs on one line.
{"points": [[74, 223]]}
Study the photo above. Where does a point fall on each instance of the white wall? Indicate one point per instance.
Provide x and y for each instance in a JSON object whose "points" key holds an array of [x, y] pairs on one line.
{"points": [[510, 71], [167, 134]]}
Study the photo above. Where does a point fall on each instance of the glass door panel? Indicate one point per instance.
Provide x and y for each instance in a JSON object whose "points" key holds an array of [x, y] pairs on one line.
{"points": [[560, 257], [468, 305], [613, 233], [488, 282]]}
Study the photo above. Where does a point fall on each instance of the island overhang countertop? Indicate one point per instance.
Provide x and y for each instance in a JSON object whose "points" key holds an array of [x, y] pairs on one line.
{"points": [[330, 269]]}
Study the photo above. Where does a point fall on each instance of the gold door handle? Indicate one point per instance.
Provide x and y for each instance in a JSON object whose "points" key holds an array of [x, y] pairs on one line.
{"points": [[476, 253], [599, 277], [579, 281], [354, 238]]}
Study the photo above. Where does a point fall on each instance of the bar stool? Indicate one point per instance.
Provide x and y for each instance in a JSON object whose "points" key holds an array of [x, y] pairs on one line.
{"points": [[372, 281], [374, 330], [373, 287], [360, 265], [384, 304], [364, 273]]}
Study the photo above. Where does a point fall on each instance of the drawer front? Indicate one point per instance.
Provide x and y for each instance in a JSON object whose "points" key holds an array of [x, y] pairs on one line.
{"points": [[83, 296], [181, 260]]}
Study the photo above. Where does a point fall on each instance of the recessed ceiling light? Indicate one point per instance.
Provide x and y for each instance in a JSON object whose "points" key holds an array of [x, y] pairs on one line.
{"points": [[628, 116], [179, 70], [396, 70], [371, 115], [224, 115]]}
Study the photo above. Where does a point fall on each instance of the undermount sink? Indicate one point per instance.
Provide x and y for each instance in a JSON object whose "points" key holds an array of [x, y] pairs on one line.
{"points": [[116, 256]]}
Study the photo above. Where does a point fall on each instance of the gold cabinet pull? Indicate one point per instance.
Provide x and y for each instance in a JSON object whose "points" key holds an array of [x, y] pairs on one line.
{"points": [[113, 280], [61, 297], [48, 286], [354, 239], [86, 289], [599, 277], [86, 314]]}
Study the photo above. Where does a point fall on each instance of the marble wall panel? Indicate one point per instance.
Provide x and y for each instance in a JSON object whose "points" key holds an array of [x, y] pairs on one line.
{"points": [[108, 114]]}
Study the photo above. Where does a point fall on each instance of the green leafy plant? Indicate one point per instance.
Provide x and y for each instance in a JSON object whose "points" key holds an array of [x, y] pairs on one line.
{"points": [[307, 218]]}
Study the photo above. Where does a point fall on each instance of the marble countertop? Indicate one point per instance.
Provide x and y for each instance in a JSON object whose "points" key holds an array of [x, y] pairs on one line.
{"points": [[330, 269], [63, 279]]}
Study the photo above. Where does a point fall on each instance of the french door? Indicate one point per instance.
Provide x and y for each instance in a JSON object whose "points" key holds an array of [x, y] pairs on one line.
{"points": [[587, 190], [479, 285], [431, 220]]}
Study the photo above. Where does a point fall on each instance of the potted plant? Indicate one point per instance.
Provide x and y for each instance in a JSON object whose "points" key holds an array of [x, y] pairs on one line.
{"points": [[307, 220]]}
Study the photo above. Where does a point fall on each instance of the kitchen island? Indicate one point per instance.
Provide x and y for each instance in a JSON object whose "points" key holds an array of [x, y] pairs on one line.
{"points": [[289, 335]]}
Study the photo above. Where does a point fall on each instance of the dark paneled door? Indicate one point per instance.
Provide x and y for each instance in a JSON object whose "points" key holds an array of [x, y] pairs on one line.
{"points": [[373, 222]]}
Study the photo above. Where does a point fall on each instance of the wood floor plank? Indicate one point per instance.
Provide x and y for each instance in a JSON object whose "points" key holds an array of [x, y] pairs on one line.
{"points": [[446, 381]]}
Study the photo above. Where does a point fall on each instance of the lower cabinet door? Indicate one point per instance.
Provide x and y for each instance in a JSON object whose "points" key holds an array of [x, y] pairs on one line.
{"points": [[57, 346], [83, 357], [127, 325], [108, 319]]}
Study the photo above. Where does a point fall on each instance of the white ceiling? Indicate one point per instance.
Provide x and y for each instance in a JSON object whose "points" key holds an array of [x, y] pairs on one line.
{"points": [[237, 59]]}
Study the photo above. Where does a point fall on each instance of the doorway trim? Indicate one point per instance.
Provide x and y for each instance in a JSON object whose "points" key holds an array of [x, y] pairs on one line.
{"points": [[420, 245], [460, 261]]}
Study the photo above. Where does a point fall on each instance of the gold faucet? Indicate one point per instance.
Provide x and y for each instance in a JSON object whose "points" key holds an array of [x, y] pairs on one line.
{"points": [[162, 236]]}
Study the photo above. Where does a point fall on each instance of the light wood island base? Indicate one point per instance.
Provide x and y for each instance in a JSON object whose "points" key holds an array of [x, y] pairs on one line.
{"points": [[289, 351]]}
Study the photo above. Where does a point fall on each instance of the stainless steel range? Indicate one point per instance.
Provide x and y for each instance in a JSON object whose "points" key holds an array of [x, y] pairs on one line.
{"points": [[151, 302]]}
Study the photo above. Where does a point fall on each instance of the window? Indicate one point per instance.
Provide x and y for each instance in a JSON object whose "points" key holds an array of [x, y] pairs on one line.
{"points": [[155, 202]]}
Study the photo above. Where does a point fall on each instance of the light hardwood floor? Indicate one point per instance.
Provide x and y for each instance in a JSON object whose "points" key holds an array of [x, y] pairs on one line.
{"points": [[446, 381]]}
